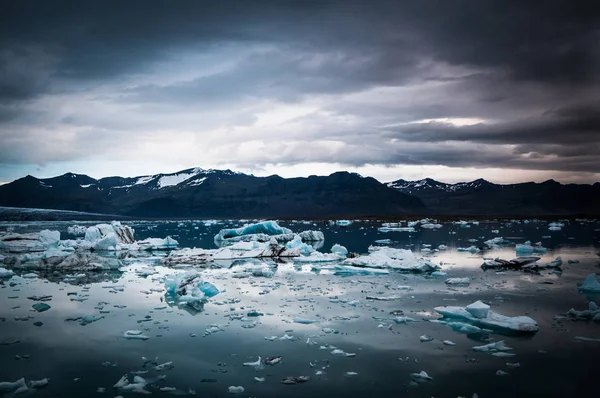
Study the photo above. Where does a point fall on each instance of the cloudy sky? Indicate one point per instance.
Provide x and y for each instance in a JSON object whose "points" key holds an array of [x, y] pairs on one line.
{"points": [[453, 90]]}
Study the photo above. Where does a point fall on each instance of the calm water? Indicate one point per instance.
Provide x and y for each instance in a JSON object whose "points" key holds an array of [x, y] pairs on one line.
{"points": [[80, 359]]}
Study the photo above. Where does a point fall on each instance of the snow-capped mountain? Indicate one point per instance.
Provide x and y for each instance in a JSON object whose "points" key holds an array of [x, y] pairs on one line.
{"points": [[485, 198], [211, 193]]}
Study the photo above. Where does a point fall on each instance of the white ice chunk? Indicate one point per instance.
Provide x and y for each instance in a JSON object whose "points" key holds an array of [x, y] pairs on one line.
{"points": [[235, 389], [340, 250], [135, 335], [6, 273], [458, 281], [492, 321], [8, 386], [397, 259], [492, 347]]}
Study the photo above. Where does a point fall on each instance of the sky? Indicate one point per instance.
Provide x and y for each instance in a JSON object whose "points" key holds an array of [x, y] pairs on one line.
{"points": [[454, 90]]}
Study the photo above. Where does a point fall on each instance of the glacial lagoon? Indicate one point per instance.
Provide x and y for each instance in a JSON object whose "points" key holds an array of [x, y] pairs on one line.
{"points": [[301, 328]]}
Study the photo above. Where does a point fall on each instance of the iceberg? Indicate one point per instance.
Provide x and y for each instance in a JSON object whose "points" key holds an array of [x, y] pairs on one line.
{"points": [[343, 223], [297, 243], [265, 227], [5, 273], [122, 233], [188, 291], [397, 259], [339, 250], [493, 320], [235, 389], [590, 285], [593, 313], [30, 242], [311, 236]]}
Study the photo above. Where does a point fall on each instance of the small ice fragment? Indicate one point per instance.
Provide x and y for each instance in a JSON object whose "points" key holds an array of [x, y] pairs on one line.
{"points": [[502, 354], [135, 335], [295, 379], [402, 319], [164, 366], [348, 374], [259, 379], [39, 383], [41, 307], [448, 342], [425, 338], [586, 339], [304, 321], [421, 376], [235, 389], [501, 373], [513, 365], [273, 360], [492, 347], [257, 365], [458, 281]]}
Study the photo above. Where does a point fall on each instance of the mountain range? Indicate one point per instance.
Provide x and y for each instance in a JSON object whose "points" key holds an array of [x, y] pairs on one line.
{"points": [[226, 194], [212, 193]]}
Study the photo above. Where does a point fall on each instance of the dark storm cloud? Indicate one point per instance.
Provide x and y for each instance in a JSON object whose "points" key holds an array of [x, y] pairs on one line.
{"points": [[529, 69]]}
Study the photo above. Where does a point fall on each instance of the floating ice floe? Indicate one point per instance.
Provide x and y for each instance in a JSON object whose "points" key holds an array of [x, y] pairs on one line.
{"points": [[352, 270], [493, 320], [590, 285], [470, 249], [235, 389], [188, 291], [593, 313], [527, 247], [265, 228], [397, 259], [396, 229], [496, 243], [30, 242], [16, 386], [518, 262], [421, 376], [6, 273], [492, 347], [458, 281], [137, 386]]}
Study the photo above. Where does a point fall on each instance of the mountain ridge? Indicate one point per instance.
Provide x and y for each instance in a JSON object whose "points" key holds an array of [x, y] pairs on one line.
{"points": [[198, 192]]}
